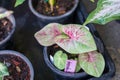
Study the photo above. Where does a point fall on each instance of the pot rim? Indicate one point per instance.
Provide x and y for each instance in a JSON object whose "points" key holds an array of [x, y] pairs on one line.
{"points": [[15, 53], [52, 17], [12, 20]]}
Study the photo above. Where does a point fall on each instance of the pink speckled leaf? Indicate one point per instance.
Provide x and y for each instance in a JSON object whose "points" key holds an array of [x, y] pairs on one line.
{"points": [[46, 35], [76, 39], [92, 63]]}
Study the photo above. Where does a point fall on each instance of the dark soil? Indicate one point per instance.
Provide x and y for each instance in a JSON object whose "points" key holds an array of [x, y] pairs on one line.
{"points": [[5, 28], [17, 68], [61, 7]]}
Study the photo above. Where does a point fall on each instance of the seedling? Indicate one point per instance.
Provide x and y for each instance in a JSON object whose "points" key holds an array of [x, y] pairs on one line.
{"points": [[3, 71], [51, 3], [92, 0], [5, 14]]}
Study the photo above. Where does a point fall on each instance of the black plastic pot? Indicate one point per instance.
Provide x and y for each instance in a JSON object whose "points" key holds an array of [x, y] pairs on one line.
{"points": [[3, 43], [109, 65], [44, 20], [14, 53]]}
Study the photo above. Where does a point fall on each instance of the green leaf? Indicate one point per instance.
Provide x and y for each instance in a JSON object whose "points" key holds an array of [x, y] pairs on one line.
{"points": [[78, 67], [46, 35], [106, 11], [18, 2], [3, 70], [76, 39], [5, 14], [60, 59], [92, 63]]}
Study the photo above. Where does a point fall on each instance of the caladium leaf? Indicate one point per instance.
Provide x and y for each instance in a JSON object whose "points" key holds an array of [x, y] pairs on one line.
{"points": [[106, 11], [3, 70], [92, 63], [76, 39], [60, 59], [46, 36], [18, 2]]}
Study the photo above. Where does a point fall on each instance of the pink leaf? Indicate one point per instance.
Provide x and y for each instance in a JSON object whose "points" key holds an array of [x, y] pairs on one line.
{"points": [[46, 35], [76, 39]]}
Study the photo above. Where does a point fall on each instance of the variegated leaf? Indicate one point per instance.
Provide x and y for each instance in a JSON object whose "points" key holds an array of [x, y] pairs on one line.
{"points": [[106, 11], [92, 63], [76, 39], [46, 35]]}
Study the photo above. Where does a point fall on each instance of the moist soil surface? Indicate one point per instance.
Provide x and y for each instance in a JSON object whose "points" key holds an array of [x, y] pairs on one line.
{"points": [[17, 68], [5, 28], [60, 7]]}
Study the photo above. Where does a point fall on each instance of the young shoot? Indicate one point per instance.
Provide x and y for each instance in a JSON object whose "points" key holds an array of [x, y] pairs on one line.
{"points": [[92, 0], [5, 14], [51, 2], [3, 71]]}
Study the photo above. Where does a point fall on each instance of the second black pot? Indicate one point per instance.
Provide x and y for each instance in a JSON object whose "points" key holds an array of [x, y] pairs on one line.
{"points": [[44, 20]]}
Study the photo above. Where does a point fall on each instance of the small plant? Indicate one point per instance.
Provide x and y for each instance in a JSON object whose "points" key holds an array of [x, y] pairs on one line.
{"points": [[5, 14], [3, 71], [75, 40], [92, 0], [51, 3], [78, 46]]}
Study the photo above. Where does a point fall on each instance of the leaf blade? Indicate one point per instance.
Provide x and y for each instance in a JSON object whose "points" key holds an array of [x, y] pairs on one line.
{"points": [[92, 63], [46, 35], [18, 2], [76, 39], [60, 59], [106, 11]]}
